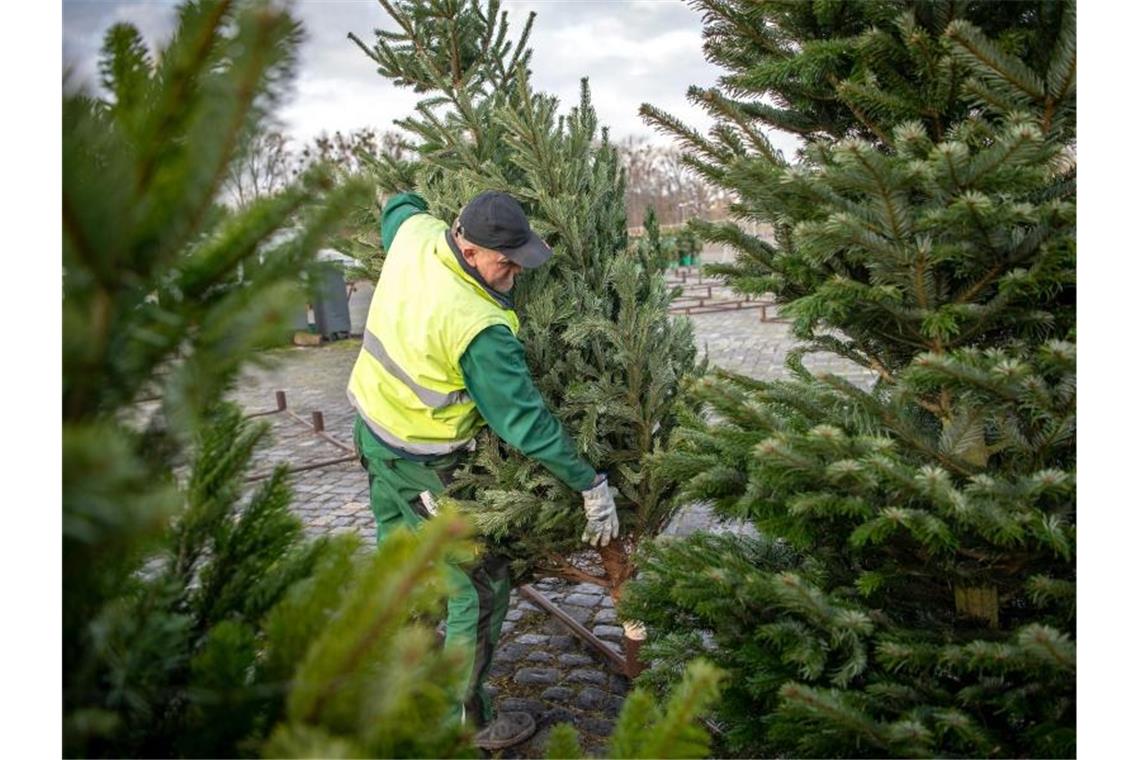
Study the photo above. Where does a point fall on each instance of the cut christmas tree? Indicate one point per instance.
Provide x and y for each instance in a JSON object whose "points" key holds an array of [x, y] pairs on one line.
{"points": [[912, 589], [601, 346]]}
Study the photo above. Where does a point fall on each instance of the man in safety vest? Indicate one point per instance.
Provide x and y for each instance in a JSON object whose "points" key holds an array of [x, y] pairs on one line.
{"points": [[440, 359]]}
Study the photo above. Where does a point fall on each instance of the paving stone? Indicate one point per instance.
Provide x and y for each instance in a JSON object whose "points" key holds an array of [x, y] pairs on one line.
{"points": [[533, 639], [591, 698], [512, 652], [583, 600], [619, 684], [575, 659], [562, 643], [606, 616], [536, 676], [500, 668], [613, 632], [586, 675], [515, 704], [556, 715], [579, 614], [599, 726], [515, 614], [508, 626], [558, 694], [540, 656]]}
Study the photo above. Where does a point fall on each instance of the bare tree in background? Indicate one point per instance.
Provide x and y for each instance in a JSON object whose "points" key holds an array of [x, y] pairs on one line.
{"points": [[269, 163], [351, 152], [657, 178], [265, 167], [360, 151]]}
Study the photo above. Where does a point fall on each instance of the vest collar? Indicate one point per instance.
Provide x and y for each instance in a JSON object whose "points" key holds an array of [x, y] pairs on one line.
{"points": [[503, 299]]}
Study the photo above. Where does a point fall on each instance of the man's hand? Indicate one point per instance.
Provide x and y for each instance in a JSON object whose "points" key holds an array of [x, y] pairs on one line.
{"points": [[601, 513]]}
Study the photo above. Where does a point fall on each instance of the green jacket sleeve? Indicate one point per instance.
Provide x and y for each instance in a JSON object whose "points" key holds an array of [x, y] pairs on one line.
{"points": [[396, 212], [494, 369]]}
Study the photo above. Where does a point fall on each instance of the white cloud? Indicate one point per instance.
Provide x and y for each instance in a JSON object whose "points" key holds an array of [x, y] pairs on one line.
{"points": [[632, 51]]}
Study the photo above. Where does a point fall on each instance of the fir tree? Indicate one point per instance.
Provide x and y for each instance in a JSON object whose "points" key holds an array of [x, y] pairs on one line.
{"points": [[196, 620], [599, 341], [913, 588], [651, 247]]}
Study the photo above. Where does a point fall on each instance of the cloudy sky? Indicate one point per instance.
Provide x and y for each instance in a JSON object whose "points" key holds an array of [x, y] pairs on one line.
{"points": [[633, 51]]}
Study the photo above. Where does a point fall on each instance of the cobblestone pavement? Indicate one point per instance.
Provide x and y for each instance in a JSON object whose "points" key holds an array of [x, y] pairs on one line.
{"points": [[539, 667], [739, 341]]}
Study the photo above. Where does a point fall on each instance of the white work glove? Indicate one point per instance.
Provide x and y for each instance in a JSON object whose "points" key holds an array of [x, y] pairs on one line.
{"points": [[601, 514]]}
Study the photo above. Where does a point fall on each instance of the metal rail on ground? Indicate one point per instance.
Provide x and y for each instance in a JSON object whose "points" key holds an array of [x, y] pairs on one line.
{"points": [[701, 295], [317, 424]]}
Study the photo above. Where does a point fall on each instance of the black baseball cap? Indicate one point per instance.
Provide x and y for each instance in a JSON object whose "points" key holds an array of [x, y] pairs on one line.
{"points": [[495, 220]]}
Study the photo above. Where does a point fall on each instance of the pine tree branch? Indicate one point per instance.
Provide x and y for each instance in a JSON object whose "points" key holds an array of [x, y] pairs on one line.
{"points": [[367, 51], [246, 91], [876, 364], [176, 95], [453, 36], [899, 426], [518, 61], [813, 700], [883, 189], [1009, 68], [865, 120], [427, 554], [727, 109]]}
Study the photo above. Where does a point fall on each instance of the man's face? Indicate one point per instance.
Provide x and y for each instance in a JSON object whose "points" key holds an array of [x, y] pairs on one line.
{"points": [[496, 269]]}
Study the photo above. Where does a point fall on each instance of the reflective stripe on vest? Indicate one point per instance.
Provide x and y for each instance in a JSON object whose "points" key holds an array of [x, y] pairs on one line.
{"points": [[433, 399], [400, 444]]}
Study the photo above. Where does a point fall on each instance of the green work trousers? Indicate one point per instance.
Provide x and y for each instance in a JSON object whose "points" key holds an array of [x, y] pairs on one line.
{"points": [[478, 596]]}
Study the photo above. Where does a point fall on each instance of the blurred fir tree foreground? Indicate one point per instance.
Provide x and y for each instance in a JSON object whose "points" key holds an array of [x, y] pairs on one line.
{"points": [[912, 589], [198, 621]]}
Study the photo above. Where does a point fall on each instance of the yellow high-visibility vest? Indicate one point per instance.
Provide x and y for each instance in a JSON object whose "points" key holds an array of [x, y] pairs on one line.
{"points": [[406, 384]]}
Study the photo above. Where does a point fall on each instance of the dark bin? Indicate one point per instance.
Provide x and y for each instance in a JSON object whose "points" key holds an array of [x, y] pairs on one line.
{"points": [[331, 307]]}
